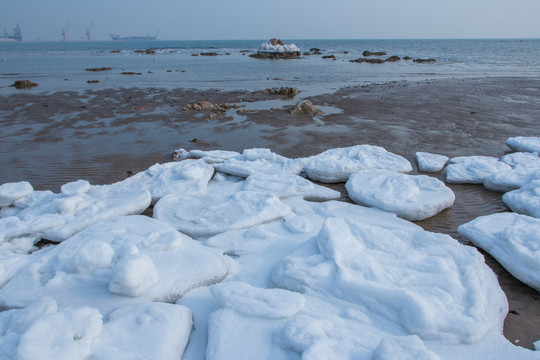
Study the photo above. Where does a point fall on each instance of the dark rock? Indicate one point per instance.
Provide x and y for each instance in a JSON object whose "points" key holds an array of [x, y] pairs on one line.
{"points": [[215, 110], [333, 57], [194, 54], [376, 53], [315, 50], [407, 58], [130, 73], [209, 54], [92, 81], [275, 41], [369, 61], [306, 108], [345, 52], [245, 51], [424, 60], [393, 58], [147, 51], [276, 55], [23, 84], [99, 69], [284, 90], [306, 53]]}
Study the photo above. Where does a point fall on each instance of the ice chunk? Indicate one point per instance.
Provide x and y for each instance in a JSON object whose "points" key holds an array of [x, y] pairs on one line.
{"points": [[412, 197], [9, 192], [525, 167], [210, 157], [427, 283], [75, 188], [133, 275], [253, 161], [63, 335], [525, 200], [210, 214], [286, 185], [473, 169], [153, 331], [335, 165], [428, 162], [267, 46], [75, 276], [171, 178], [252, 301], [58, 216], [524, 143], [512, 239]]}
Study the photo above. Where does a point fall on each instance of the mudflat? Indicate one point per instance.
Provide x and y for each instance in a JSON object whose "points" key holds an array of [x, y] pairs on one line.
{"points": [[102, 135]]}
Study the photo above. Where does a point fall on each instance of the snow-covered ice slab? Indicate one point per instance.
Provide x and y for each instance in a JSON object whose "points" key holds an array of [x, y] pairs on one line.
{"points": [[427, 283], [525, 200], [210, 214], [42, 331], [171, 178], [335, 165], [513, 239], [108, 264], [411, 197], [473, 169], [428, 162], [286, 185], [245, 326], [525, 167], [253, 161], [10, 192], [56, 217], [524, 143]]}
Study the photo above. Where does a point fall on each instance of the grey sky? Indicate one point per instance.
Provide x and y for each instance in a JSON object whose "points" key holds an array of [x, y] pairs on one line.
{"points": [[287, 19]]}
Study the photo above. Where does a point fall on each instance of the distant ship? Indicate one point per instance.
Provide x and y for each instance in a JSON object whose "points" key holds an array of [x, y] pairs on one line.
{"points": [[16, 36], [133, 38]]}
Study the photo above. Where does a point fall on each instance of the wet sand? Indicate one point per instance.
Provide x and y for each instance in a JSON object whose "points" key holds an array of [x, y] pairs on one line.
{"points": [[101, 135]]}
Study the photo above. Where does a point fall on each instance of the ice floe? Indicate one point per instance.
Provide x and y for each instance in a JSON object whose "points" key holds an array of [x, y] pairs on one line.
{"points": [[210, 214], [122, 261], [524, 143], [253, 161], [525, 200], [286, 185], [428, 162], [525, 167], [412, 197], [473, 169], [335, 165], [513, 239]]}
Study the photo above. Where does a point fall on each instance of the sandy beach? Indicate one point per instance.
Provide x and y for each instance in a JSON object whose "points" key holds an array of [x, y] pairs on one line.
{"points": [[102, 135]]}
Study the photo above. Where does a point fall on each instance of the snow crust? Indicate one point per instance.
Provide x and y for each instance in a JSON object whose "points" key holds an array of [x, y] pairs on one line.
{"points": [[513, 239], [524, 143], [428, 162], [279, 270], [335, 165], [473, 169], [412, 197], [10, 192]]}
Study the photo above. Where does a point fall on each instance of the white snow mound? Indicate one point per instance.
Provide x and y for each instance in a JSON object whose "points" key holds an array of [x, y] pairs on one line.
{"points": [[524, 143], [9, 192], [473, 169], [428, 162]]}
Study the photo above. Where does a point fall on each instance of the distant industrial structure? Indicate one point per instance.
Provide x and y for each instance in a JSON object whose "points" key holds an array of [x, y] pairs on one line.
{"points": [[15, 36]]}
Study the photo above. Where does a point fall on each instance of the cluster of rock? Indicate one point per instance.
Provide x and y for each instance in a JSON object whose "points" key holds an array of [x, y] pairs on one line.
{"points": [[147, 51], [215, 110], [276, 49], [392, 58], [23, 84], [284, 90]]}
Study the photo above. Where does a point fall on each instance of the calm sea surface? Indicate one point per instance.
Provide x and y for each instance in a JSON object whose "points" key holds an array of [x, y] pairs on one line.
{"points": [[61, 65]]}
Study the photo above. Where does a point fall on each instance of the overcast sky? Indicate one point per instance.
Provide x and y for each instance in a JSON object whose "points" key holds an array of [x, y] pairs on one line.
{"points": [[287, 19]]}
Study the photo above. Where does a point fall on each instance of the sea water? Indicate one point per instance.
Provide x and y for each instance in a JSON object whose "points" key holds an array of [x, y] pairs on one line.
{"points": [[58, 66]]}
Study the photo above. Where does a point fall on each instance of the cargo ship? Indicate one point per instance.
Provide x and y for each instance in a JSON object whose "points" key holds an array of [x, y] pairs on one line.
{"points": [[16, 36], [133, 38]]}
